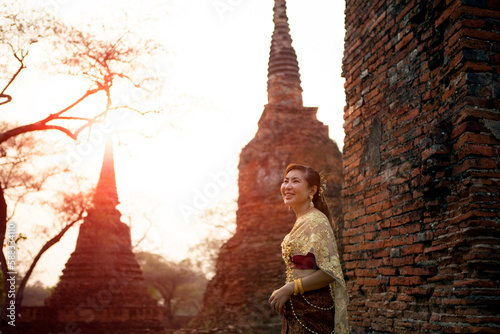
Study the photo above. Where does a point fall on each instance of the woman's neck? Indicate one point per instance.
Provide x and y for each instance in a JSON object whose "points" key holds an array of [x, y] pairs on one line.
{"points": [[302, 209]]}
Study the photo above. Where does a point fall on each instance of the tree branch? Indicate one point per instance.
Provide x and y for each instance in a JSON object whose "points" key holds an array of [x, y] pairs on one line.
{"points": [[38, 126], [7, 98], [50, 243], [84, 126], [75, 118], [123, 76], [42, 125], [59, 113], [21, 67], [137, 110], [18, 200], [3, 261]]}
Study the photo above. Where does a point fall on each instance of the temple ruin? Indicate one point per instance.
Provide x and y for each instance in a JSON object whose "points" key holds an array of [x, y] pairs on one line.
{"points": [[421, 173], [101, 289], [250, 266]]}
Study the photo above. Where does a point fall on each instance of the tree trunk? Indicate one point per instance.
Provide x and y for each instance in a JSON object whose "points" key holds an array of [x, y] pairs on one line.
{"points": [[3, 262]]}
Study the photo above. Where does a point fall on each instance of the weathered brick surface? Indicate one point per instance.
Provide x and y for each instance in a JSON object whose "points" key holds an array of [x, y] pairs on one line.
{"points": [[421, 165]]}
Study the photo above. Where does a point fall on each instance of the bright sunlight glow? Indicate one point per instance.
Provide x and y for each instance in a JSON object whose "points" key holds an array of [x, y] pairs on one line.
{"points": [[174, 165]]}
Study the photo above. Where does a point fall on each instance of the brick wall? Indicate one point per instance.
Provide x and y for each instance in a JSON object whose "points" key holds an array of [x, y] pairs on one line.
{"points": [[421, 166]]}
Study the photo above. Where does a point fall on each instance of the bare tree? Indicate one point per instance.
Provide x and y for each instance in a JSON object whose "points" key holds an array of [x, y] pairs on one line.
{"points": [[103, 63], [20, 171], [222, 223]]}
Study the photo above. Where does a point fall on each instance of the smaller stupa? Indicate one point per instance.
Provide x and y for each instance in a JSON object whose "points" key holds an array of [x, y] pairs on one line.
{"points": [[103, 256], [101, 289]]}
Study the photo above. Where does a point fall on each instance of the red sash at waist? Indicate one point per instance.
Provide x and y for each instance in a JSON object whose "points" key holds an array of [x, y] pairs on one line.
{"points": [[303, 262]]}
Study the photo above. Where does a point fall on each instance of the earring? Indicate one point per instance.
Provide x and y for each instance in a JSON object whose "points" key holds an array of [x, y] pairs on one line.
{"points": [[311, 205]]}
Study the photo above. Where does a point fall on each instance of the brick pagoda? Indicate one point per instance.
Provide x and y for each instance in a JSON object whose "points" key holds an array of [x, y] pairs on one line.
{"points": [[250, 266], [102, 289]]}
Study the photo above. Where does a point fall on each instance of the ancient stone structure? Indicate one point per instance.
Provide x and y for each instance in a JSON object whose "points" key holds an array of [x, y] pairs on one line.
{"points": [[421, 165], [250, 267], [102, 289]]}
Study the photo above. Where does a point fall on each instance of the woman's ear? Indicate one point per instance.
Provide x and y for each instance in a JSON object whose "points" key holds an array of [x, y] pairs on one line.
{"points": [[314, 190]]}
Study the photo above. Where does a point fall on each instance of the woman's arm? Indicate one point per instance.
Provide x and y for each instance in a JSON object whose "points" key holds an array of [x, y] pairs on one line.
{"points": [[314, 281], [317, 280]]}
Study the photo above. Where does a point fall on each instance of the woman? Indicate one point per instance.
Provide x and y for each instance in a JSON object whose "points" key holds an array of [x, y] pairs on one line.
{"points": [[314, 298]]}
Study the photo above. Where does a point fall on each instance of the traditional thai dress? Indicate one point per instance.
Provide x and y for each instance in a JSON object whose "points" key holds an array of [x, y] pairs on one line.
{"points": [[311, 245]]}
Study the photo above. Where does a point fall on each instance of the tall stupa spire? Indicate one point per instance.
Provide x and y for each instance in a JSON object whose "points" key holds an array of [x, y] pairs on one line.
{"points": [[106, 193], [283, 78], [288, 132]]}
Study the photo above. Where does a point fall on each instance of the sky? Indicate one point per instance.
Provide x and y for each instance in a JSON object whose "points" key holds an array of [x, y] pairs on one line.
{"points": [[215, 76]]}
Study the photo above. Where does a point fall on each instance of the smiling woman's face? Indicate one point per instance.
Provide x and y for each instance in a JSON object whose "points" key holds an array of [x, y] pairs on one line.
{"points": [[295, 189]]}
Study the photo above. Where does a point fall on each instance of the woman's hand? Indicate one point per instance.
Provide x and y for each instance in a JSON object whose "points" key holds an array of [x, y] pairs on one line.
{"points": [[281, 296]]}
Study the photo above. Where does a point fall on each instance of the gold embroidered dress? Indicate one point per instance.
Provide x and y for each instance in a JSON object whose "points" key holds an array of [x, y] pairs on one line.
{"points": [[312, 233]]}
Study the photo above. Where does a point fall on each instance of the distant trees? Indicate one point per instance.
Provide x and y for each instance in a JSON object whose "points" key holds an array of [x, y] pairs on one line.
{"points": [[99, 65], [221, 221], [178, 285], [35, 294]]}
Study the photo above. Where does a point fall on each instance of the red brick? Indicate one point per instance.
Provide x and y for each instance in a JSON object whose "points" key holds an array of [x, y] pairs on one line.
{"points": [[473, 23], [420, 271], [482, 12], [454, 301], [412, 249], [477, 67], [402, 261], [470, 126], [371, 282], [403, 42], [406, 280], [449, 92], [387, 271], [482, 283], [397, 241], [479, 163], [365, 272], [482, 150], [432, 327], [476, 138], [369, 236], [353, 231], [374, 263], [356, 239], [381, 253]]}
